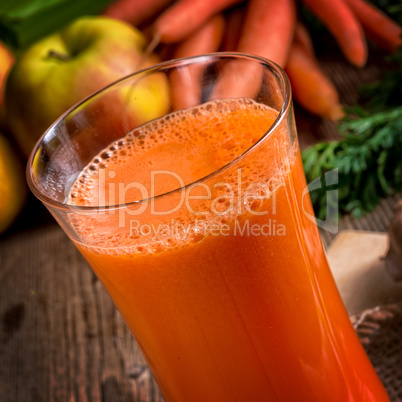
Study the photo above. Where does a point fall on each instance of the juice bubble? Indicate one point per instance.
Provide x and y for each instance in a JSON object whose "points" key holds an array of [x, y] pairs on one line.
{"points": [[179, 149]]}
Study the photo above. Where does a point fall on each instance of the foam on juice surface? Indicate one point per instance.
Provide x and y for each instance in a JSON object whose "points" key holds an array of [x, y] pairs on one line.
{"points": [[174, 151]]}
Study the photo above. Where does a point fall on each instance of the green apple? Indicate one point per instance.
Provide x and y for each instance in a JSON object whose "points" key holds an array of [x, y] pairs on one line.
{"points": [[62, 69]]}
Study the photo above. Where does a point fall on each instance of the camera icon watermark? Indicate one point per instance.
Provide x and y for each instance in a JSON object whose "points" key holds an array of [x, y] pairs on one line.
{"points": [[327, 184]]}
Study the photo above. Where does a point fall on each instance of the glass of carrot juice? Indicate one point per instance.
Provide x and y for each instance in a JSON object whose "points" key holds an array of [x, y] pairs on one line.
{"points": [[182, 186]]}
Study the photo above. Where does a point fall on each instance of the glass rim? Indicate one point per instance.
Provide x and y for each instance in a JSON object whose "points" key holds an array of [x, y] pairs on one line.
{"points": [[286, 105]]}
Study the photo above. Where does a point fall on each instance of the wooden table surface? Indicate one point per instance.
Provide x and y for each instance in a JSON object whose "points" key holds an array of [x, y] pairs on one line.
{"points": [[61, 338]]}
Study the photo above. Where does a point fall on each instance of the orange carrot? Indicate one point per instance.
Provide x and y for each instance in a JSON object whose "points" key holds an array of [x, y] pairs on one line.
{"points": [[303, 38], [185, 17], [378, 26], [234, 26], [135, 11], [311, 88], [268, 29], [205, 40], [343, 24], [186, 88], [267, 32], [238, 79]]}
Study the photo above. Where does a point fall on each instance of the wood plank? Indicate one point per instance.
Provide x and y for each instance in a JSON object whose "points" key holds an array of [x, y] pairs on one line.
{"points": [[61, 338]]}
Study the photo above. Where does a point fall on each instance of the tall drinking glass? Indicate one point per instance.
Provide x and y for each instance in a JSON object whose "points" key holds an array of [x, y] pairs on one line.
{"points": [[182, 186]]}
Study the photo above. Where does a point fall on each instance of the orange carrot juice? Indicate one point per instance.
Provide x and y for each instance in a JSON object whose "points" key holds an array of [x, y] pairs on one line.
{"points": [[224, 283]]}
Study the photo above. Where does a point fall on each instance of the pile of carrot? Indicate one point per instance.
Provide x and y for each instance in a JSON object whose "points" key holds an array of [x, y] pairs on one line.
{"points": [[267, 28]]}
